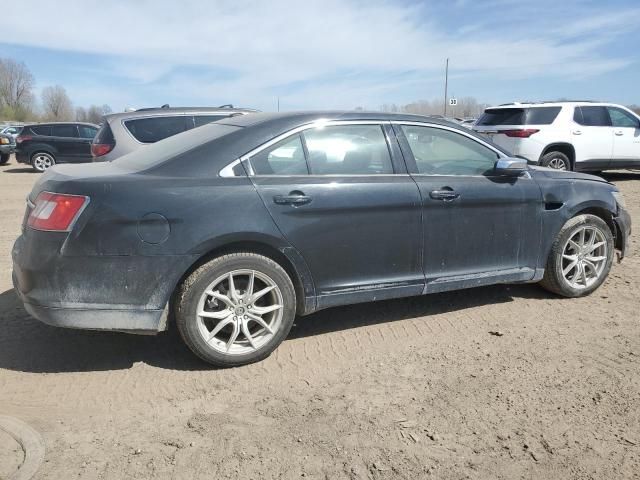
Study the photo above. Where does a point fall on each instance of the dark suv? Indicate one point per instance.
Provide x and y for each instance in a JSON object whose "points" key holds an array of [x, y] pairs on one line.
{"points": [[122, 133], [44, 144]]}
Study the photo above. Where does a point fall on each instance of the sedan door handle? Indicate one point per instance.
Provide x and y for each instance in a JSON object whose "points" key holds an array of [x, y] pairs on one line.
{"points": [[577, 132], [619, 133], [446, 195], [294, 198]]}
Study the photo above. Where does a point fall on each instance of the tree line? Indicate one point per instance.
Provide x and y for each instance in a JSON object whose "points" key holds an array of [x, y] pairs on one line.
{"points": [[19, 103]]}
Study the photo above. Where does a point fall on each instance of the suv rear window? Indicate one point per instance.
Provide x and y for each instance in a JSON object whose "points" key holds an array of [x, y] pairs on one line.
{"points": [[519, 116], [41, 130], [154, 129]]}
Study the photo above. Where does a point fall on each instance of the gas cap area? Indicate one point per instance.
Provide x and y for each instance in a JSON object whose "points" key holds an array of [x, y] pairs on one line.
{"points": [[153, 228]]}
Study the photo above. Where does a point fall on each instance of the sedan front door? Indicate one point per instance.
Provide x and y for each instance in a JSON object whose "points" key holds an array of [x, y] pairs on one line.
{"points": [[479, 228], [340, 194]]}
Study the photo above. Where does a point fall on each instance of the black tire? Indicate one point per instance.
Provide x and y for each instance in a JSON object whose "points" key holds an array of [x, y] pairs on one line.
{"points": [[40, 165], [4, 158], [554, 159], [554, 280], [193, 288]]}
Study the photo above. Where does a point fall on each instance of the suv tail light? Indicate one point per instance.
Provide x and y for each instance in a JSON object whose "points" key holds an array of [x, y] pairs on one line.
{"points": [[100, 149], [23, 138], [56, 212], [521, 133]]}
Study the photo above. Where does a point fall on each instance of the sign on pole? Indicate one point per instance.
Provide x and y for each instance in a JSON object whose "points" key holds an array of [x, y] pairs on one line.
{"points": [[453, 102]]}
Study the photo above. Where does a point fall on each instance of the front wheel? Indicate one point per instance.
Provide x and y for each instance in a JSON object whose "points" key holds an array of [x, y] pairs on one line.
{"points": [[41, 161], [236, 309], [580, 258], [4, 158]]}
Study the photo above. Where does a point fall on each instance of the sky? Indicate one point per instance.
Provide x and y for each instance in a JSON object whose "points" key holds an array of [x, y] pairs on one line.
{"points": [[321, 54]]}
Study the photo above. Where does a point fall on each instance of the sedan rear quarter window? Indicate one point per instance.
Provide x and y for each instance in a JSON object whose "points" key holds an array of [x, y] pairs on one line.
{"points": [[284, 158]]}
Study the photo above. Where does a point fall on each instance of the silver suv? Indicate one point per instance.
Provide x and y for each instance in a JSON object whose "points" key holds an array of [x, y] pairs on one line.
{"points": [[122, 133]]}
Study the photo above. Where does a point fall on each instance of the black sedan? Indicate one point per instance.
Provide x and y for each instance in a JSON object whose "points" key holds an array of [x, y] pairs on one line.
{"points": [[234, 228]]}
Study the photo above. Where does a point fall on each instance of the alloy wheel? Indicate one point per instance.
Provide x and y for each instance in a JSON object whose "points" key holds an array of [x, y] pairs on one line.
{"points": [[558, 163], [43, 161], [240, 312], [584, 257]]}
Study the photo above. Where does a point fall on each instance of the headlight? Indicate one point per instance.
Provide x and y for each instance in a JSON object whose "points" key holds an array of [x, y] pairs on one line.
{"points": [[619, 198], [4, 141]]}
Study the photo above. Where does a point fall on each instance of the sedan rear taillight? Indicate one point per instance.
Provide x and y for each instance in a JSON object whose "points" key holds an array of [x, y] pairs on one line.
{"points": [[56, 212], [100, 149], [520, 133]]}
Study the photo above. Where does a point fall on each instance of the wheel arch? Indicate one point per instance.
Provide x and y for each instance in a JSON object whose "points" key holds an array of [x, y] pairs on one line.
{"points": [[275, 249], [562, 147], [607, 216], [44, 148]]}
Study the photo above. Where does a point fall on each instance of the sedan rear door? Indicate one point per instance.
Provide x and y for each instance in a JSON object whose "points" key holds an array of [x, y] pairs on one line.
{"points": [[340, 194]]}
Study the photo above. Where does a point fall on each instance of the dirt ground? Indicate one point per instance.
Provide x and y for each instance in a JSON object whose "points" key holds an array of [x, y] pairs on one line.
{"points": [[414, 388]]}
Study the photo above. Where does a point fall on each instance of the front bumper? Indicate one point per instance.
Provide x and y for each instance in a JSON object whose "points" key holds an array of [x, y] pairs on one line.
{"points": [[117, 293], [623, 231]]}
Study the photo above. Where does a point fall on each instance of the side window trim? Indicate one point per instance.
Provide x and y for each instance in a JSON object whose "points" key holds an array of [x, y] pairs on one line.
{"points": [[412, 166]]}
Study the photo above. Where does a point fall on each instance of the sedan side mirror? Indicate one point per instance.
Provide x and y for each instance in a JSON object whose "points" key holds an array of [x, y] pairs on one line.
{"points": [[511, 167]]}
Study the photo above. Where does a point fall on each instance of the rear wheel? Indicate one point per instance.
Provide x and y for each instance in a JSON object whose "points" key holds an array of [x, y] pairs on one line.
{"points": [[580, 258], [4, 158], [236, 309], [556, 160], [41, 161]]}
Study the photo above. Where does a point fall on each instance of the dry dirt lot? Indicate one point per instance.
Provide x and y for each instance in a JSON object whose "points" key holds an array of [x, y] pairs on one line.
{"points": [[414, 388]]}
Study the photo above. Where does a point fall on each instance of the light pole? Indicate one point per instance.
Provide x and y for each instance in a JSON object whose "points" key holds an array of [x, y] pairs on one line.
{"points": [[446, 86]]}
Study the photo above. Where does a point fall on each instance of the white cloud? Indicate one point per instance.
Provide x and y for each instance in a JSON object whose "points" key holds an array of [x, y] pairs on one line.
{"points": [[258, 49]]}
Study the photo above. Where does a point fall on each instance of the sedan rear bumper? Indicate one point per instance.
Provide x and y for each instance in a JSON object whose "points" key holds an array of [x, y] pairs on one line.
{"points": [[129, 321], [117, 293]]}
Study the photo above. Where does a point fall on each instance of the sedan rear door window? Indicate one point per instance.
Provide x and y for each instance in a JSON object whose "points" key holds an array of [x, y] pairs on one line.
{"points": [[348, 150], [443, 152]]}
